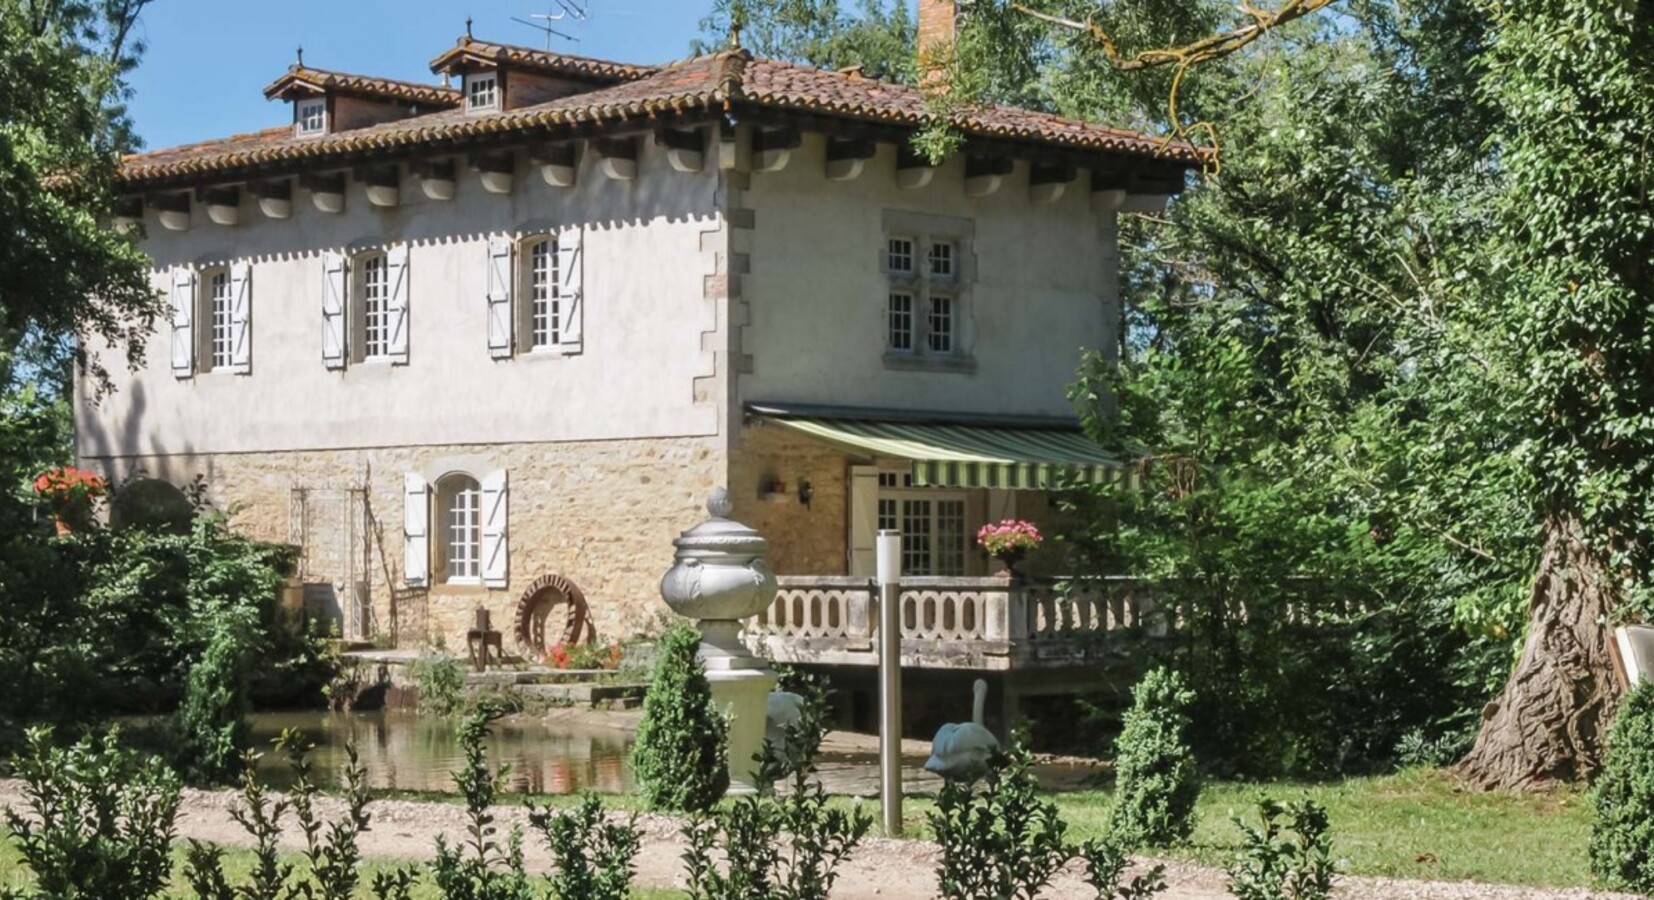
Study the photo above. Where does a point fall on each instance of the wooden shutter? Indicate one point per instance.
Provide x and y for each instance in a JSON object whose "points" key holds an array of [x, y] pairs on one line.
{"points": [[183, 322], [499, 296], [496, 550], [333, 311], [416, 540], [241, 317], [396, 262], [864, 520], [571, 287]]}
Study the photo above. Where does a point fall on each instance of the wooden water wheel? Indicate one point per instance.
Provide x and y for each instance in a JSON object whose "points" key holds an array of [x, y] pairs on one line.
{"points": [[538, 612]]}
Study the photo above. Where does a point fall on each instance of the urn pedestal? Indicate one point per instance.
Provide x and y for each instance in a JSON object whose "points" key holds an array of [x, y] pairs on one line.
{"points": [[719, 578]]}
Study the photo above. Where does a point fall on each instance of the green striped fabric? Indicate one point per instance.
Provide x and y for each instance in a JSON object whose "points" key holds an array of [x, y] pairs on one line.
{"points": [[972, 456]]}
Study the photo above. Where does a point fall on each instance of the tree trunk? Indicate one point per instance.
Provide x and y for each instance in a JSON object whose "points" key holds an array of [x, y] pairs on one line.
{"points": [[1550, 722]]}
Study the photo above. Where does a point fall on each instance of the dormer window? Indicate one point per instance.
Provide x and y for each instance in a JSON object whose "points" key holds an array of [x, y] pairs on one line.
{"points": [[311, 116], [482, 91]]}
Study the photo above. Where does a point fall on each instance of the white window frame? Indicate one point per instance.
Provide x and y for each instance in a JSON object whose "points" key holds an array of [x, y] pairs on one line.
{"points": [[896, 494], [458, 509], [217, 319], [361, 302], [928, 268], [485, 85], [307, 109], [543, 307]]}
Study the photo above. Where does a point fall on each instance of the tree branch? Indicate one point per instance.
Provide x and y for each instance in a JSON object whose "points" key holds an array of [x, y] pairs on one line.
{"points": [[1212, 47]]}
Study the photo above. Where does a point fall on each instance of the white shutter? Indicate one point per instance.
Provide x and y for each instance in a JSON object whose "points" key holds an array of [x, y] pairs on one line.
{"points": [[571, 290], [183, 322], [333, 311], [241, 316], [416, 518], [864, 520], [499, 296], [396, 261], [496, 549]]}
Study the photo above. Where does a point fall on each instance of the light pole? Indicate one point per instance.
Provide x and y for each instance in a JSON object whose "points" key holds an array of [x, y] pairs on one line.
{"points": [[890, 679]]}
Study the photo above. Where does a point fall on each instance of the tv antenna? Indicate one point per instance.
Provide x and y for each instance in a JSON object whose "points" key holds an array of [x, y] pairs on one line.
{"points": [[560, 11]]}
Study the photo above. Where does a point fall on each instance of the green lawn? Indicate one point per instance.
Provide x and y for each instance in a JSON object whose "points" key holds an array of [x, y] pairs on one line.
{"points": [[1412, 825]]}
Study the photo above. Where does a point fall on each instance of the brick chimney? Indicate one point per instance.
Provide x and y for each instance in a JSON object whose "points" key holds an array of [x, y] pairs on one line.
{"points": [[938, 20]]}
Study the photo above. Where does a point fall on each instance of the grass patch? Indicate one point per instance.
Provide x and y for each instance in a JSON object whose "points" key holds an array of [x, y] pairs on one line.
{"points": [[237, 863]]}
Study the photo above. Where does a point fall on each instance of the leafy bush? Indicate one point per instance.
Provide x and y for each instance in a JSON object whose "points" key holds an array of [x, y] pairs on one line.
{"points": [[480, 868], [1157, 782], [999, 840], [99, 821], [1272, 866], [595, 856], [681, 755], [440, 678], [1105, 864], [1622, 834], [777, 848], [331, 852], [1417, 749]]}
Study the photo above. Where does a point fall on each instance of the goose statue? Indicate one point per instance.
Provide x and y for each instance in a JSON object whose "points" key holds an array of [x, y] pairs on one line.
{"points": [[782, 710], [960, 750]]}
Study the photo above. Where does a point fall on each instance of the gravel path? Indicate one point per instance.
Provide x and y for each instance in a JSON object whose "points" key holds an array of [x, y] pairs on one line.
{"points": [[883, 869]]}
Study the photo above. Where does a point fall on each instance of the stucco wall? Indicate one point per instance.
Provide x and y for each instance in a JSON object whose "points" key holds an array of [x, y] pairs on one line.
{"points": [[645, 313], [1044, 289], [600, 513]]}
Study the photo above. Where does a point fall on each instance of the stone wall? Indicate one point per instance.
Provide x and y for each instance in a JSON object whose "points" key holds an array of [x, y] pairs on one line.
{"points": [[601, 514], [804, 540]]}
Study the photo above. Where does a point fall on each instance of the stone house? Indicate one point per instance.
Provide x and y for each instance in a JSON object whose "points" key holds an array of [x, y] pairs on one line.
{"points": [[490, 343]]}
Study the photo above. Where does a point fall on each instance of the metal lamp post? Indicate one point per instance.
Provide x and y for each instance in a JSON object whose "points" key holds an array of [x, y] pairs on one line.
{"points": [[890, 679]]}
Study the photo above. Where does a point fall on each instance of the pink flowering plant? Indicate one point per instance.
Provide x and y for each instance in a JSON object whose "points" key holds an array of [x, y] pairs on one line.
{"points": [[1009, 540]]}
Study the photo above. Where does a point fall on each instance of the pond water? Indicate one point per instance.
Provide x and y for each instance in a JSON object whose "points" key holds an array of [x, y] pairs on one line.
{"points": [[406, 751]]}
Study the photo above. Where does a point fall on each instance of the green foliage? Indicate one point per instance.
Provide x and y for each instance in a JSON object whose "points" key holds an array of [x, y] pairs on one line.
{"points": [[1274, 866], [1000, 839], [786, 847], [680, 757], [595, 856], [1106, 860], [1157, 782], [481, 867], [1622, 834], [99, 821], [440, 678], [879, 36]]}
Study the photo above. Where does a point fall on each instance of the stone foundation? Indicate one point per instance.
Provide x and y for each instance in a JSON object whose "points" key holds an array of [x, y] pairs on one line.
{"points": [[601, 514]]}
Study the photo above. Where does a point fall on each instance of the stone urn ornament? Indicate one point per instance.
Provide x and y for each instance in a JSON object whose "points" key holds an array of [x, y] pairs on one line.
{"points": [[719, 578]]}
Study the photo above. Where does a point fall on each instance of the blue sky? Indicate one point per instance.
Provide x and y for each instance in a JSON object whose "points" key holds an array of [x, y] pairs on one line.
{"points": [[209, 60]]}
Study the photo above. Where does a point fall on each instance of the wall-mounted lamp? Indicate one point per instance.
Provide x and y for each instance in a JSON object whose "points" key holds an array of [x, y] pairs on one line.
{"points": [[805, 492]]}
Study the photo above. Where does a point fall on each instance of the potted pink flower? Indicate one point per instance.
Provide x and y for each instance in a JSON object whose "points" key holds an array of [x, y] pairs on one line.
{"points": [[1009, 541]]}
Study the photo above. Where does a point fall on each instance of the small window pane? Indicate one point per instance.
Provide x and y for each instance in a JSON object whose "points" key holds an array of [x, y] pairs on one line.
{"points": [[887, 479], [901, 321], [887, 515], [376, 311], [899, 257], [312, 116], [916, 537], [544, 284], [481, 91], [943, 260], [940, 338], [223, 346], [950, 537]]}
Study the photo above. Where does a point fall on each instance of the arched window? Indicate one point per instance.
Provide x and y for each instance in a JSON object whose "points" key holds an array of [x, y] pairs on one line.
{"points": [[459, 528], [373, 287]]}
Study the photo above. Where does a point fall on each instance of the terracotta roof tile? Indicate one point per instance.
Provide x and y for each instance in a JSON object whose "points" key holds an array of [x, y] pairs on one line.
{"points": [[714, 81], [468, 48], [388, 88]]}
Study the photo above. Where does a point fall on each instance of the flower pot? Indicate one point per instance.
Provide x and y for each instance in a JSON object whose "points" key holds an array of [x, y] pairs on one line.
{"points": [[72, 515]]}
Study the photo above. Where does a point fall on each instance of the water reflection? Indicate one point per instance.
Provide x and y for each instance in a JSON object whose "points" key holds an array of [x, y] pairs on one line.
{"points": [[405, 751]]}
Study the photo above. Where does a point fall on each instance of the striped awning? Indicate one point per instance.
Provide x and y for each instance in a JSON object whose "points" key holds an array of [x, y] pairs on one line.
{"points": [[972, 456]]}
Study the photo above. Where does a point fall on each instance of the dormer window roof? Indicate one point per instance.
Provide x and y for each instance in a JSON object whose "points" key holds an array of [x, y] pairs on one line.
{"points": [[325, 101]]}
